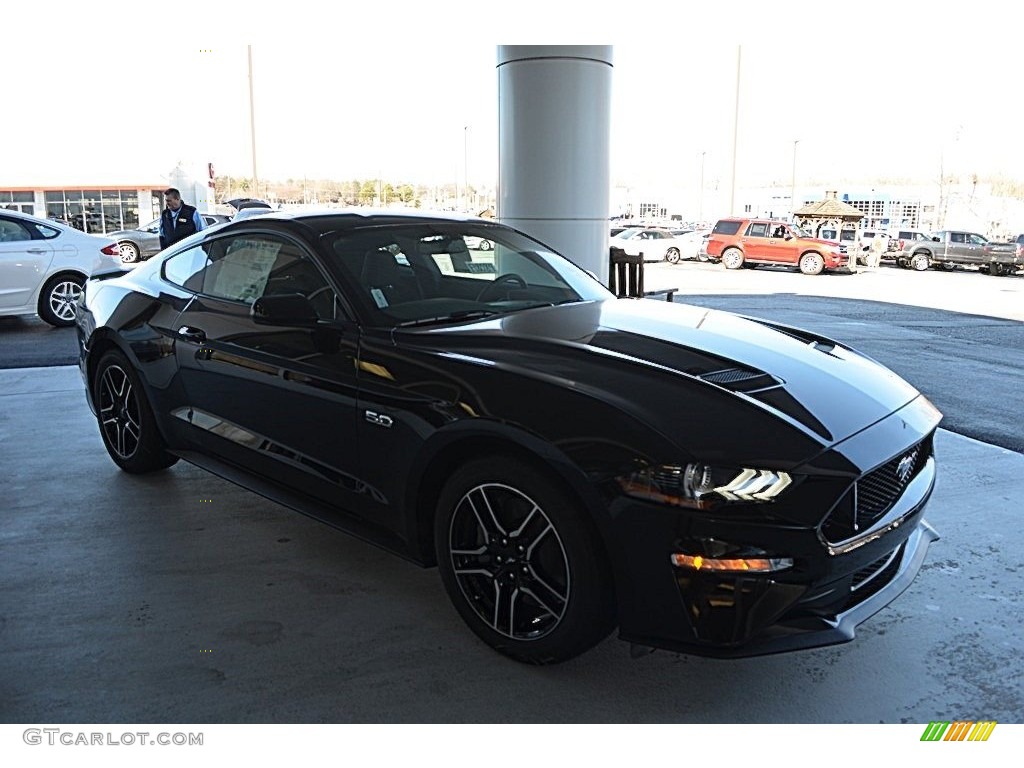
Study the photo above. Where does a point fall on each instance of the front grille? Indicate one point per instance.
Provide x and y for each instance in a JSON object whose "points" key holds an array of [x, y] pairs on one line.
{"points": [[878, 490], [874, 494]]}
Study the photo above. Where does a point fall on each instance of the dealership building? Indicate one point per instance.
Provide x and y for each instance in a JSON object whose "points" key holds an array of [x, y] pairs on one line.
{"points": [[106, 205]]}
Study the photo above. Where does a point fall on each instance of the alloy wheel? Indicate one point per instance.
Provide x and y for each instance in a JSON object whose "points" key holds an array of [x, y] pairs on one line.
{"points": [[62, 299], [509, 562], [119, 412]]}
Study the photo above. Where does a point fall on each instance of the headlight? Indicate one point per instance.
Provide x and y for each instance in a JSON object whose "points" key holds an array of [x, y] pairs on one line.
{"points": [[701, 486]]}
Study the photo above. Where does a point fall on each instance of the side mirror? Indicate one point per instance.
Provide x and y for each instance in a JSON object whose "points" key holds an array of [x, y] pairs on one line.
{"points": [[787, 236], [936, 240], [288, 309]]}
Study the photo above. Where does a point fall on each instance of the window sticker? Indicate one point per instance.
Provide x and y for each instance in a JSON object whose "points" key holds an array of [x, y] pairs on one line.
{"points": [[378, 297]]}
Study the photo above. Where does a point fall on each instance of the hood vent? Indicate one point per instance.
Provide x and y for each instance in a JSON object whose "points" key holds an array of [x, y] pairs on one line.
{"points": [[741, 379]]}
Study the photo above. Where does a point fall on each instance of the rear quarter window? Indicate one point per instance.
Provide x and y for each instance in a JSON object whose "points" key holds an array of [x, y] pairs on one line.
{"points": [[726, 228]]}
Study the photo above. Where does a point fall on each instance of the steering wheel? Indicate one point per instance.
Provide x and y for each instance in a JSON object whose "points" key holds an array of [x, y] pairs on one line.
{"points": [[508, 280]]}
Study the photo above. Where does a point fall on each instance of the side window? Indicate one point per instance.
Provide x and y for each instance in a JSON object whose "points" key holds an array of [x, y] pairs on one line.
{"points": [[757, 230], [186, 268], [250, 266], [726, 227], [957, 237], [13, 231], [974, 239], [47, 233]]}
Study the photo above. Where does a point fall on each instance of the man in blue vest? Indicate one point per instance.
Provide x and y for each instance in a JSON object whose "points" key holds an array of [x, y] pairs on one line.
{"points": [[179, 220]]}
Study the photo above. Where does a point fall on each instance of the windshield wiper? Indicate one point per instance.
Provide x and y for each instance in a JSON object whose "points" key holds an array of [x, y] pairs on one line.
{"points": [[467, 314]]}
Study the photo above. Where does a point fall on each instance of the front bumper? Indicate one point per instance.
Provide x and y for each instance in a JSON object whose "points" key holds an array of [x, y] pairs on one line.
{"points": [[835, 582]]}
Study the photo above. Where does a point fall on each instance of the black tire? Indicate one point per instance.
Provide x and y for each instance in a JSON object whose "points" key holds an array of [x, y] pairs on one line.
{"points": [[672, 256], [501, 522], [125, 419], [732, 258], [996, 270], [919, 262], [130, 252], [812, 263], [949, 266], [57, 299]]}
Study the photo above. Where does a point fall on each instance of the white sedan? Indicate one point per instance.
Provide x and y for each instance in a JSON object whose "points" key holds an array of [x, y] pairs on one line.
{"points": [[43, 266], [654, 243]]}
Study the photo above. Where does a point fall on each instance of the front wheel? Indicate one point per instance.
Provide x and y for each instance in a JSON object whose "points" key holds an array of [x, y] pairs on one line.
{"points": [[732, 258], [812, 263], [522, 563], [672, 256], [127, 425], [919, 262], [58, 298]]}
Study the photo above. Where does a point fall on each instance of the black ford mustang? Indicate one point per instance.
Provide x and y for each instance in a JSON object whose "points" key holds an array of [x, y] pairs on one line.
{"points": [[570, 461]]}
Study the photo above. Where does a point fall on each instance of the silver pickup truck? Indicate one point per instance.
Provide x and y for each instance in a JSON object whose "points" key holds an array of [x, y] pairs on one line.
{"points": [[1005, 258], [950, 249]]}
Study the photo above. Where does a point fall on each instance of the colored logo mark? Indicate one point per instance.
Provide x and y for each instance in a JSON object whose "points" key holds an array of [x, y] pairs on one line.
{"points": [[960, 730]]}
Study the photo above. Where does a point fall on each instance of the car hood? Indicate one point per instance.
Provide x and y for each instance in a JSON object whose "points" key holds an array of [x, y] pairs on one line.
{"points": [[827, 390]]}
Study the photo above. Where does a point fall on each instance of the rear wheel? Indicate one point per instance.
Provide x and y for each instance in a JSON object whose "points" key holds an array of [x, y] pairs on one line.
{"points": [[126, 420], [58, 298], [129, 252], [732, 258], [949, 266], [672, 256], [812, 263], [997, 270], [522, 563]]}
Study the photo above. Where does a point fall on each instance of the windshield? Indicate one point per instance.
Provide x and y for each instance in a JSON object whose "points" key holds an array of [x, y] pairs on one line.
{"points": [[626, 234], [427, 272]]}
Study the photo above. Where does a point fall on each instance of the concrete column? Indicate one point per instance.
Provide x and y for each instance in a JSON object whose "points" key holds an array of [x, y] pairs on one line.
{"points": [[554, 128]]}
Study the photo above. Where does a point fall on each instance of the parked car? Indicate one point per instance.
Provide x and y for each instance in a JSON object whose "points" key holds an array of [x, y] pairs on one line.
{"points": [[741, 242], [905, 238], [655, 243], [479, 244], [865, 239], [1004, 258], [144, 242], [250, 211], [43, 265], [950, 249], [765, 493]]}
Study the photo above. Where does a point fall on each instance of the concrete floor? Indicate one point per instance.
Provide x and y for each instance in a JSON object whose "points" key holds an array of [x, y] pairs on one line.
{"points": [[181, 598]]}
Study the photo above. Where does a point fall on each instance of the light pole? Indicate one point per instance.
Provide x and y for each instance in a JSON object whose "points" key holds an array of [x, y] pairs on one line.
{"points": [[465, 164], [700, 197], [252, 130], [792, 191], [735, 133]]}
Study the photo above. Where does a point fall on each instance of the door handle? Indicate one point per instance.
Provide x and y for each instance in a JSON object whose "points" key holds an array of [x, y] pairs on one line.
{"points": [[36, 250], [195, 335]]}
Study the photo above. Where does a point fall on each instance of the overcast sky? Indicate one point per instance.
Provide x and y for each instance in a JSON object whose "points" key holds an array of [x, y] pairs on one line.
{"points": [[394, 89]]}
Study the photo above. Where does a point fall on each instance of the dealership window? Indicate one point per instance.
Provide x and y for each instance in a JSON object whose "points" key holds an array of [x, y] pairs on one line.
{"points": [[94, 211], [24, 202]]}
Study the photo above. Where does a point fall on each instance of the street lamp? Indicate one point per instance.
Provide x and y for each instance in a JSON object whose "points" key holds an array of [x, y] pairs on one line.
{"points": [[792, 193]]}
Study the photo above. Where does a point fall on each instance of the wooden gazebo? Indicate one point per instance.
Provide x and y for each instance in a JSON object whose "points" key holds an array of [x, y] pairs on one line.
{"points": [[830, 213]]}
